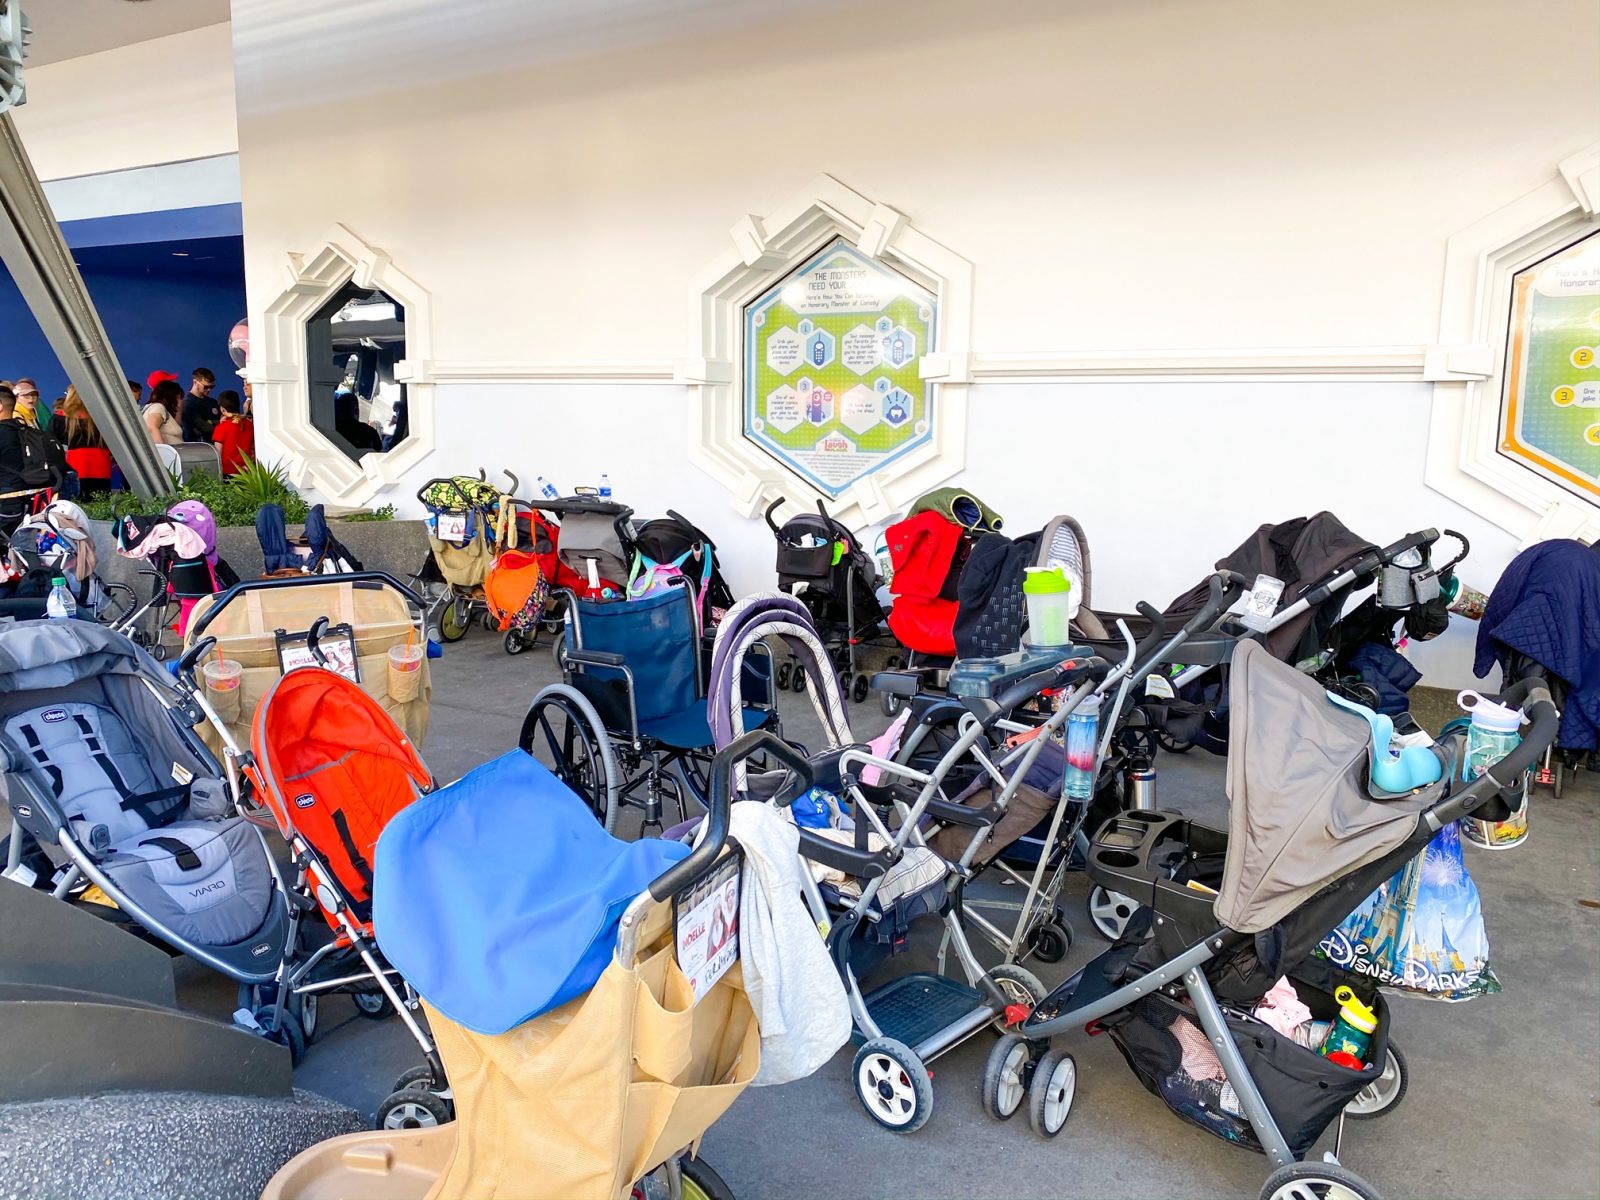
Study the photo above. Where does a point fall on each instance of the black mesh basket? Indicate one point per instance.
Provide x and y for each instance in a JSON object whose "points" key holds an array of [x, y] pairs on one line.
{"points": [[1168, 1050]]}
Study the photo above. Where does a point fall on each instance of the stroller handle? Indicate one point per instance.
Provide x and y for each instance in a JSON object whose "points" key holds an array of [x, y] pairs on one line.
{"points": [[772, 508], [682, 875], [192, 656], [257, 585], [1531, 695], [1466, 549]]}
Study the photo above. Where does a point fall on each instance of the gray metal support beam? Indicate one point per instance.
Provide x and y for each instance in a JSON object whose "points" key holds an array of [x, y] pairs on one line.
{"points": [[33, 250]]}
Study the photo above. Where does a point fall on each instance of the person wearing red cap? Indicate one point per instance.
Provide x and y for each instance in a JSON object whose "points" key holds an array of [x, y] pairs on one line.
{"points": [[161, 414]]}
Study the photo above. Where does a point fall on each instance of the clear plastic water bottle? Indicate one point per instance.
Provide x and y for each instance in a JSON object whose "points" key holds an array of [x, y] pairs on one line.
{"points": [[546, 489], [1492, 735], [605, 487], [1082, 728], [60, 606]]}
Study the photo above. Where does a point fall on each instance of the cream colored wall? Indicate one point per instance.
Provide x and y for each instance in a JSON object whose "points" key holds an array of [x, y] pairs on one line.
{"points": [[166, 100]]}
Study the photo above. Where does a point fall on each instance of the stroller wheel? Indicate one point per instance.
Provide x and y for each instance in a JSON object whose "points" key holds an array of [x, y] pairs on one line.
{"points": [[1020, 986], [798, 680], [1055, 1083], [305, 1008], [893, 1085], [1050, 942], [374, 1006], [1383, 1094], [283, 1028], [414, 1108], [1110, 911], [514, 643], [785, 670], [490, 625], [456, 619], [1316, 1181], [1005, 1077], [1171, 744], [890, 704], [859, 689], [700, 1182], [158, 651], [420, 1077], [558, 652]]}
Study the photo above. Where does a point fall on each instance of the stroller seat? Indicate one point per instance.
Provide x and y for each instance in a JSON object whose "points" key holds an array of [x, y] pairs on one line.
{"points": [[164, 842]]}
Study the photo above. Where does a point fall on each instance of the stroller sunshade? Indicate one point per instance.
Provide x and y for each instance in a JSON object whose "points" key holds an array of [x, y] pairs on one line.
{"points": [[498, 896]]}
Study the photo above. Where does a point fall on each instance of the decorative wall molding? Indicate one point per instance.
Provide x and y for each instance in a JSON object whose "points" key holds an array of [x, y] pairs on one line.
{"points": [[278, 376], [1463, 460]]}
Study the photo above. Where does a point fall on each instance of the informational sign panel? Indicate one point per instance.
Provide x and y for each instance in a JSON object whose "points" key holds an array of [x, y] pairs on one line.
{"points": [[1551, 416], [831, 382]]}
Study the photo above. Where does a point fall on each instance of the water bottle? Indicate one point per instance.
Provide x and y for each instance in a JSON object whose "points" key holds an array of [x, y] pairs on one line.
{"points": [[1082, 726], [1491, 736], [605, 487], [545, 488], [61, 606]]}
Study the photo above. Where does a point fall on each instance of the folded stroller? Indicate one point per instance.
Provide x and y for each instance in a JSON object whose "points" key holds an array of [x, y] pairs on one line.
{"points": [[517, 588], [57, 542], [825, 567], [1309, 838], [108, 785], [589, 1053]]}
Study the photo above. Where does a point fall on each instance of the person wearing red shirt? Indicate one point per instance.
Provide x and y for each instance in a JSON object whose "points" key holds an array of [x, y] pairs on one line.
{"points": [[234, 435]]}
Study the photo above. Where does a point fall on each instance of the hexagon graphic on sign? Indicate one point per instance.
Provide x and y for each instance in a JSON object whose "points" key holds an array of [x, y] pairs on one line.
{"points": [[784, 350], [783, 409], [859, 409], [819, 349], [859, 350], [899, 347], [897, 407], [818, 404]]}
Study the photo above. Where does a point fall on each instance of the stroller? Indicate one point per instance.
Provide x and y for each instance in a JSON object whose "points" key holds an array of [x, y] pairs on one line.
{"points": [[622, 1064], [57, 542], [517, 589], [1233, 912], [315, 552], [182, 546], [672, 546], [108, 786], [463, 516], [824, 566]]}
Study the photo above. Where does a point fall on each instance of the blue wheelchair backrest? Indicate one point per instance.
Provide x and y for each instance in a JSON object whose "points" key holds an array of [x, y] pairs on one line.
{"points": [[656, 637]]}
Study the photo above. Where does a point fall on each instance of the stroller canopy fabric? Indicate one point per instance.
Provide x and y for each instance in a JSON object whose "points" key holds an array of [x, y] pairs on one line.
{"points": [[1300, 817], [35, 655], [498, 896]]}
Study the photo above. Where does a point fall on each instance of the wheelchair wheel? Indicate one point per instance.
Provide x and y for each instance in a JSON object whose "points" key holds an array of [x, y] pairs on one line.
{"points": [[563, 732]]}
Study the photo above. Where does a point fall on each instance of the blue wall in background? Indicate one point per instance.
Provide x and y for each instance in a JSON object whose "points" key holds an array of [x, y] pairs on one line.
{"points": [[166, 306]]}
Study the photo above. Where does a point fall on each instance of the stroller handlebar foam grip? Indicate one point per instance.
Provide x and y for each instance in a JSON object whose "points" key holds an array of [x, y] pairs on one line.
{"points": [[683, 874], [1411, 541]]}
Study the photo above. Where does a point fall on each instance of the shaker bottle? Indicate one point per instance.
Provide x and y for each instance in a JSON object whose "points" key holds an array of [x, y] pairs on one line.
{"points": [[1048, 594], [405, 671], [1082, 727], [1491, 736], [1352, 1032]]}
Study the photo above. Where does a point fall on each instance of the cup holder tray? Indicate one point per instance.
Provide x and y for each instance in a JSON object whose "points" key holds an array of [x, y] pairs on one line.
{"points": [[1150, 855]]}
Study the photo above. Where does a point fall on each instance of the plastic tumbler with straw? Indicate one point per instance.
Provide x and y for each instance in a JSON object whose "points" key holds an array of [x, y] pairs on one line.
{"points": [[223, 678], [405, 669]]}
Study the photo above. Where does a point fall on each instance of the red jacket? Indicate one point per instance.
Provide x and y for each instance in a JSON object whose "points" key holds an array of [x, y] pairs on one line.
{"points": [[236, 441]]}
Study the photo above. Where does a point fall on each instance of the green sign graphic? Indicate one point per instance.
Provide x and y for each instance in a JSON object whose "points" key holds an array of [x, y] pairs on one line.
{"points": [[831, 382], [1552, 394]]}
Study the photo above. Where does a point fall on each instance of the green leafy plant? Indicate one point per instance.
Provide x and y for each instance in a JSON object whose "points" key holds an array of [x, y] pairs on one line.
{"points": [[386, 513], [232, 501]]}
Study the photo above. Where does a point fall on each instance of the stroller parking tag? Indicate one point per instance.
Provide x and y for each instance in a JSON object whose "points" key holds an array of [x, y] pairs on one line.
{"points": [[451, 527], [1262, 602], [338, 646], [705, 923]]}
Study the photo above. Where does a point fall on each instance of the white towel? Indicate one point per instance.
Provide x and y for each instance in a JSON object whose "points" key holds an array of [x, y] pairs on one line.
{"points": [[799, 1000]]}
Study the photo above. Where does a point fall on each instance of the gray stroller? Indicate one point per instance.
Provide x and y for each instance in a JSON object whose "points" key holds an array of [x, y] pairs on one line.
{"points": [[109, 786], [1229, 913]]}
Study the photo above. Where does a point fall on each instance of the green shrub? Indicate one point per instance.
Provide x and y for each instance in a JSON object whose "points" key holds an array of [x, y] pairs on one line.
{"points": [[233, 501], [386, 513]]}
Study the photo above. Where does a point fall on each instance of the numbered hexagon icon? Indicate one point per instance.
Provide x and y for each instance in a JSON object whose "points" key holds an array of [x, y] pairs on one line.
{"points": [[819, 349], [784, 350], [818, 405], [859, 409], [897, 407], [858, 349], [899, 347], [783, 409]]}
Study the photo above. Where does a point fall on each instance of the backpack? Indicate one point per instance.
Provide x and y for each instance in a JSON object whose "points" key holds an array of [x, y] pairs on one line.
{"points": [[670, 548], [44, 463]]}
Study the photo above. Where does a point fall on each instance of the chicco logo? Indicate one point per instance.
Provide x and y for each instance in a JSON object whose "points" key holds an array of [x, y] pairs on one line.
{"points": [[305, 801], [53, 715]]}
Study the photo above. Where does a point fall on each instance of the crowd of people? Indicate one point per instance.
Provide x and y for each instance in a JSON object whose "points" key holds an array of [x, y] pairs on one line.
{"points": [[171, 416]]}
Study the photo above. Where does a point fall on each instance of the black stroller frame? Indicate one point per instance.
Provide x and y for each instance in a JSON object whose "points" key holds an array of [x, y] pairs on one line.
{"points": [[451, 609]]}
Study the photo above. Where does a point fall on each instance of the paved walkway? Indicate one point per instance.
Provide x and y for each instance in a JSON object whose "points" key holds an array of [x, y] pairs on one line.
{"points": [[1505, 1091]]}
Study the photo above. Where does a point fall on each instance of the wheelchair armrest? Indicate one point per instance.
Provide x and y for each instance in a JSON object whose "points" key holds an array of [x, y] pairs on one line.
{"points": [[596, 658], [897, 683], [860, 864], [34, 810]]}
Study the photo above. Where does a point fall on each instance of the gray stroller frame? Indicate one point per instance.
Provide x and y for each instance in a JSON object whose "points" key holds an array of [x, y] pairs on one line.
{"points": [[1280, 891]]}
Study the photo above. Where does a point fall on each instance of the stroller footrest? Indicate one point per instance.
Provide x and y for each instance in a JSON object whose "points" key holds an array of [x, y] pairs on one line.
{"points": [[913, 1008]]}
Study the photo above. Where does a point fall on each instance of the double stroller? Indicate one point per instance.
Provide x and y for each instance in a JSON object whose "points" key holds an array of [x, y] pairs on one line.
{"points": [[1228, 914]]}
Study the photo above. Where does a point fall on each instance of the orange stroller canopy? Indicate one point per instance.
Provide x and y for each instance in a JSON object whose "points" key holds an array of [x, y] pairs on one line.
{"points": [[334, 767]]}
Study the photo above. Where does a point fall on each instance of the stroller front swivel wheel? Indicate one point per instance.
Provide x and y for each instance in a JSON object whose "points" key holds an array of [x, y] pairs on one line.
{"points": [[859, 687], [1383, 1094], [893, 1085], [1050, 942], [1050, 1095], [514, 643], [373, 1005], [1005, 1077], [1316, 1181], [282, 1027], [414, 1108]]}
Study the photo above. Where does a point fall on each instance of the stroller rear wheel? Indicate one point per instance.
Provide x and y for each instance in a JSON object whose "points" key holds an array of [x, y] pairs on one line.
{"points": [[699, 1181], [455, 619], [1110, 911], [514, 643], [785, 671], [859, 687], [893, 1085], [1384, 1093], [283, 1028], [1005, 1077], [1316, 1181], [798, 680], [374, 1006], [1020, 986], [1055, 1083], [414, 1108]]}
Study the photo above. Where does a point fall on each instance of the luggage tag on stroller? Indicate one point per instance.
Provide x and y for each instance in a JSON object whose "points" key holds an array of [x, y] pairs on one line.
{"points": [[1262, 603], [452, 527], [705, 923]]}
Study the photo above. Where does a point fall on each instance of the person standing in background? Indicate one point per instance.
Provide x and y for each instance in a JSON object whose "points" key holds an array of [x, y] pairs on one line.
{"points": [[200, 412], [87, 453], [161, 414], [27, 394], [137, 389], [235, 437]]}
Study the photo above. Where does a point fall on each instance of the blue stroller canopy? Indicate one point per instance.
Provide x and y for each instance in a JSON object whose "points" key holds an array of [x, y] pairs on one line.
{"points": [[498, 896]]}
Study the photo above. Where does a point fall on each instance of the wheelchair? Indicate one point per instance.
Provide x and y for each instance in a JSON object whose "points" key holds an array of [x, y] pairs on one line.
{"points": [[627, 725]]}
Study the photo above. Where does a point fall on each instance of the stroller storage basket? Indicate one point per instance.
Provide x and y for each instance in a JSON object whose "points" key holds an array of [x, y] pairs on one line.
{"points": [[1165, 1045]]}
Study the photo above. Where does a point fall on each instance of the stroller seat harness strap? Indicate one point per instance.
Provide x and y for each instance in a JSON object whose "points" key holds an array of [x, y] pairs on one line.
{"points": [[181, 852]]}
